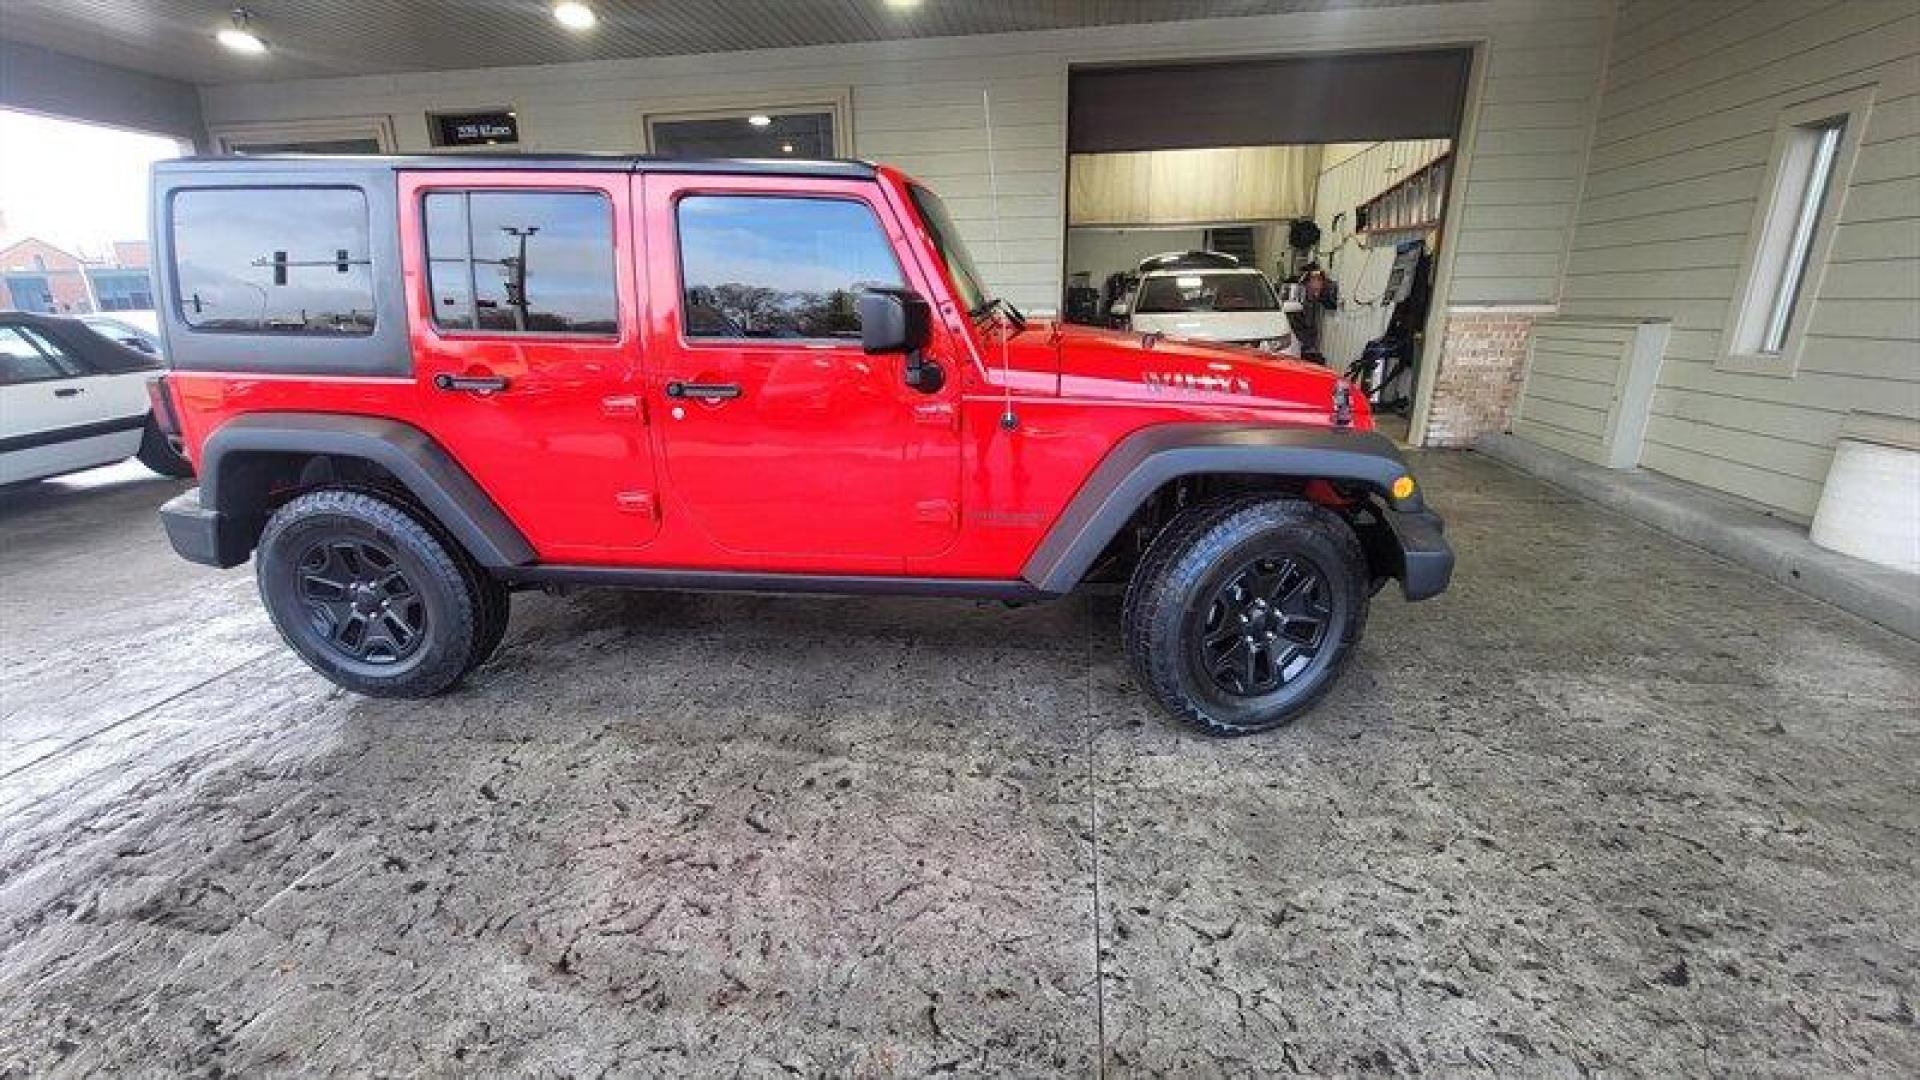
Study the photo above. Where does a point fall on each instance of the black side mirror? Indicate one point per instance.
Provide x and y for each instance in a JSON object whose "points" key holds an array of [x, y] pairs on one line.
{"points": [[899, 321]]}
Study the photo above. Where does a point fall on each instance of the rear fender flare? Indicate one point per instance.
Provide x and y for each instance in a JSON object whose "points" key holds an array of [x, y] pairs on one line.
{"points": [[430, 474]]}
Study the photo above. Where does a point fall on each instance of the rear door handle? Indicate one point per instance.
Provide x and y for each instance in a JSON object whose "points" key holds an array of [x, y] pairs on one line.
{"points": [[478, 384], [70, 391], [703, 391]]}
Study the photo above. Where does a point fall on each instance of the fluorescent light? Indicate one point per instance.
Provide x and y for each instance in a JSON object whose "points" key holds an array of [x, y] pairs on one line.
{"points": [[786, 148], [574, 15], [903, 5], [759, 120], [240, 36], [241, 41]]}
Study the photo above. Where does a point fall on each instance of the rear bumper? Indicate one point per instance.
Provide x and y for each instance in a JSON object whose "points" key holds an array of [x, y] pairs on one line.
{"points": [[1420, 542], [200, 535]]}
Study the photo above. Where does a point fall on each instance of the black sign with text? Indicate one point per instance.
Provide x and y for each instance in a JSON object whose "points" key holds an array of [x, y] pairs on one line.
{"points": [[476, 129]]}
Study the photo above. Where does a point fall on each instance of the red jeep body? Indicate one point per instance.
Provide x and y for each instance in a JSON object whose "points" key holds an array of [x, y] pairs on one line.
{"points": [[645, 454]]}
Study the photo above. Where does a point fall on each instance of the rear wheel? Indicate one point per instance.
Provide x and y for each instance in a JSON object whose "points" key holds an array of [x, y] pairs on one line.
{"points": [[157, 452], [1244, 612], [371, 598]]}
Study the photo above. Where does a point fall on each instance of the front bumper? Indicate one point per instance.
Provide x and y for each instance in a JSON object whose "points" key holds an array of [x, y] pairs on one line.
{"points": [[1420, 547], [204, 536]]}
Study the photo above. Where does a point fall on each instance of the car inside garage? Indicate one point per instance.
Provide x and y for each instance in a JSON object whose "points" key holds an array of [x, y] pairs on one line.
{"points": [[698, 558]]}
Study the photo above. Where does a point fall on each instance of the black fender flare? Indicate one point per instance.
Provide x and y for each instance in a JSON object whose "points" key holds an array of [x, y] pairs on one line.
{"points": [[430, 474], [1143, 461]]}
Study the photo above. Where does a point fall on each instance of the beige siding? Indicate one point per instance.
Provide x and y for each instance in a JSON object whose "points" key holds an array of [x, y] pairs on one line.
{"points": [[916, 104], [1679, 157]]}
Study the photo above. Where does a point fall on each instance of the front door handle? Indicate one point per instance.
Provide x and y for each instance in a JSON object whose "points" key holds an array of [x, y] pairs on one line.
{"points": [[478, 384], [703, 391], [69, 391]]}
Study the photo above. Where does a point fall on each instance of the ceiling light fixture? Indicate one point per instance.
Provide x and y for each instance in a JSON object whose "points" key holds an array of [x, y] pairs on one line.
{"points": [[903, 5], [240, 36], [575, 16], [759, 120], [786, 148]]}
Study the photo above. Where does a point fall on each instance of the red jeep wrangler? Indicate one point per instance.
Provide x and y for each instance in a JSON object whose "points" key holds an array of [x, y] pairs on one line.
{"points": [[413, 385]]}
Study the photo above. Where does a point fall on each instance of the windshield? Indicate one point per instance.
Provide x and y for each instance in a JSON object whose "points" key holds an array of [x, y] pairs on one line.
{"points": [[1202, 291], [953, 251]]}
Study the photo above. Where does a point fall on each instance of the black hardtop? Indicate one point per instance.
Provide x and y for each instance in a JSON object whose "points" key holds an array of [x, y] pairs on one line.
{"points": [[627, 163]]}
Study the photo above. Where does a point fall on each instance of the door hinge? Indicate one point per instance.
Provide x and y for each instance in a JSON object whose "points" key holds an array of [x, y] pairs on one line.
{"points": [[637, 502], [936, 512], [936, 414], [624, 405]]}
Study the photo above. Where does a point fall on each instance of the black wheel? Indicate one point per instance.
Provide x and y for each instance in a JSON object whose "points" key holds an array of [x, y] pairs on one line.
{"points": [[159, 453], [371, 598], [1243, 612]]}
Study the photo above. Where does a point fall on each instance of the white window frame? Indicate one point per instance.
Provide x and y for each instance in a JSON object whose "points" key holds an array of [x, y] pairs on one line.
{"points": [[839, 103], [379, 128], [1776, 237]]}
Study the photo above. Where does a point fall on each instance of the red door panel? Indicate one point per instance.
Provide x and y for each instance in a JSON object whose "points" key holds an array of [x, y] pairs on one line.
{"points": [[563, 448], [797, 447]]}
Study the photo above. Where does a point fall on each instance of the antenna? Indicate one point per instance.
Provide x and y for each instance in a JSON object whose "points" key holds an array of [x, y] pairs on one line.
{"points": [[1007, 419]]}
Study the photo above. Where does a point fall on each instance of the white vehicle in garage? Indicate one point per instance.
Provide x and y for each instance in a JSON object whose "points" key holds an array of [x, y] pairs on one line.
{"points": [[1208, 296], [71, 400]]}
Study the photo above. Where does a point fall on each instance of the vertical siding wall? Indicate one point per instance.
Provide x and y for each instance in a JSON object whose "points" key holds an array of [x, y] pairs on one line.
{"points": [[916, 104], [1679, 157], [1361, 263]]}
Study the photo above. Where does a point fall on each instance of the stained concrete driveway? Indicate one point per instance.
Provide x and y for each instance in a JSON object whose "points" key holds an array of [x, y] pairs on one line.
{"points": [[1609, 805]]}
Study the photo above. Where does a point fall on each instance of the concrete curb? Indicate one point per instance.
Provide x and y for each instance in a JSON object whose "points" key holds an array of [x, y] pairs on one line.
{"points": [[1769, 546]]}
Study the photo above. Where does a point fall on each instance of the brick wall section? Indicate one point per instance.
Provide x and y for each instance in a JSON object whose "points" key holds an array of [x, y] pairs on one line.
{"points": [[1482, 359]]}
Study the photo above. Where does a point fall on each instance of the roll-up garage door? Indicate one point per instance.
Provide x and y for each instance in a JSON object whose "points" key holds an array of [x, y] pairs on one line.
{"points": [[1320, 99]]}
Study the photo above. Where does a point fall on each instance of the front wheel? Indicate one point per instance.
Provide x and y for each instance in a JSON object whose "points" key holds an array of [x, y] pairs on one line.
{"points": [[372, 598], [1243, 612]]}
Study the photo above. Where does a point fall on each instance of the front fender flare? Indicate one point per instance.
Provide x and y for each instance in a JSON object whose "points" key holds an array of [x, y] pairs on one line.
{"points": [[1152, 456]]}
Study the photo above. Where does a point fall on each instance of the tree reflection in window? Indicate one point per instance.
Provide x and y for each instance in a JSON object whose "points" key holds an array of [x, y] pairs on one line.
{"points": [[779, 267], [521, 262], [273, 260]]}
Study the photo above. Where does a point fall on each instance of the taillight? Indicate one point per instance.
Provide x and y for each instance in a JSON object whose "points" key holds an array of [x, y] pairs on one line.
{"points": [[164, 417]]}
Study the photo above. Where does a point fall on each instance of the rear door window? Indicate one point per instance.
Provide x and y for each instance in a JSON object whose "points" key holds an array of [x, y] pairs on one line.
{"points": [[522, 262], [273, 260], [24, 361]]}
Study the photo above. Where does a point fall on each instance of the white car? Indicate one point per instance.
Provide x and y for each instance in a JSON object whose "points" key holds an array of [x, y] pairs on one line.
{"points": [[1208, 296], [71, 399]]}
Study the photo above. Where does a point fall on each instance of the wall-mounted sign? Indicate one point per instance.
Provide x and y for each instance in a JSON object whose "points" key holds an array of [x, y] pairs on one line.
{"points": [[495, 128]]}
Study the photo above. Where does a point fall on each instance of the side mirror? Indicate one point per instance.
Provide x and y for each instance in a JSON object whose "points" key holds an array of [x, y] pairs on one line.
{"points": [[893, 321], [899, 321]]}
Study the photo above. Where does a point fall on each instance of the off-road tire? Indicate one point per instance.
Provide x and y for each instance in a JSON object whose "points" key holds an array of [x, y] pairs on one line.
{"points": [[157, 453], [462, 618], [1196, 555]]}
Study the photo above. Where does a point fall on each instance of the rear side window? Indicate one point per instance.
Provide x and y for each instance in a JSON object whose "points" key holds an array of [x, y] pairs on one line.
{"points": [[757, 266], [522, 262], [28, 357], [273, 260]]}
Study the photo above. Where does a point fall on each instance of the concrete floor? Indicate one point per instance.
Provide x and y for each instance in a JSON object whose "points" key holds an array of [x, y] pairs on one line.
{"points": [[1611, 804]]}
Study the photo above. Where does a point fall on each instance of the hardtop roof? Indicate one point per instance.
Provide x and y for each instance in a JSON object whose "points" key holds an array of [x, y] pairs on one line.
{"points": [[629, 163]]}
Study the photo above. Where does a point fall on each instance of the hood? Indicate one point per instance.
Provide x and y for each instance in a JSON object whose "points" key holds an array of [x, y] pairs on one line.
{"points": [[1124, 365]]}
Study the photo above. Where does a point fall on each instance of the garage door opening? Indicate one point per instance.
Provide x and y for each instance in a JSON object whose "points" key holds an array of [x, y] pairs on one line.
{"points": [[1327, 177]]}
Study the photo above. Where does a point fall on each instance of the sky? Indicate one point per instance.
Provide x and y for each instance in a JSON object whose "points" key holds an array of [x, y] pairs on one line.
{"points": [[76, 186]]}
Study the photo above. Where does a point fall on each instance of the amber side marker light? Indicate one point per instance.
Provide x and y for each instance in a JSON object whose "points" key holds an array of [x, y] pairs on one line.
{"points": [[1403, 488]]}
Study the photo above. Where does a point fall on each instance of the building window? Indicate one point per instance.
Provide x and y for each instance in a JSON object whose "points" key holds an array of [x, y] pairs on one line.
{"points": [[787, 131], [779, 266], [121, 290], [1813, 154], [282, 260], [522, 262]]}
